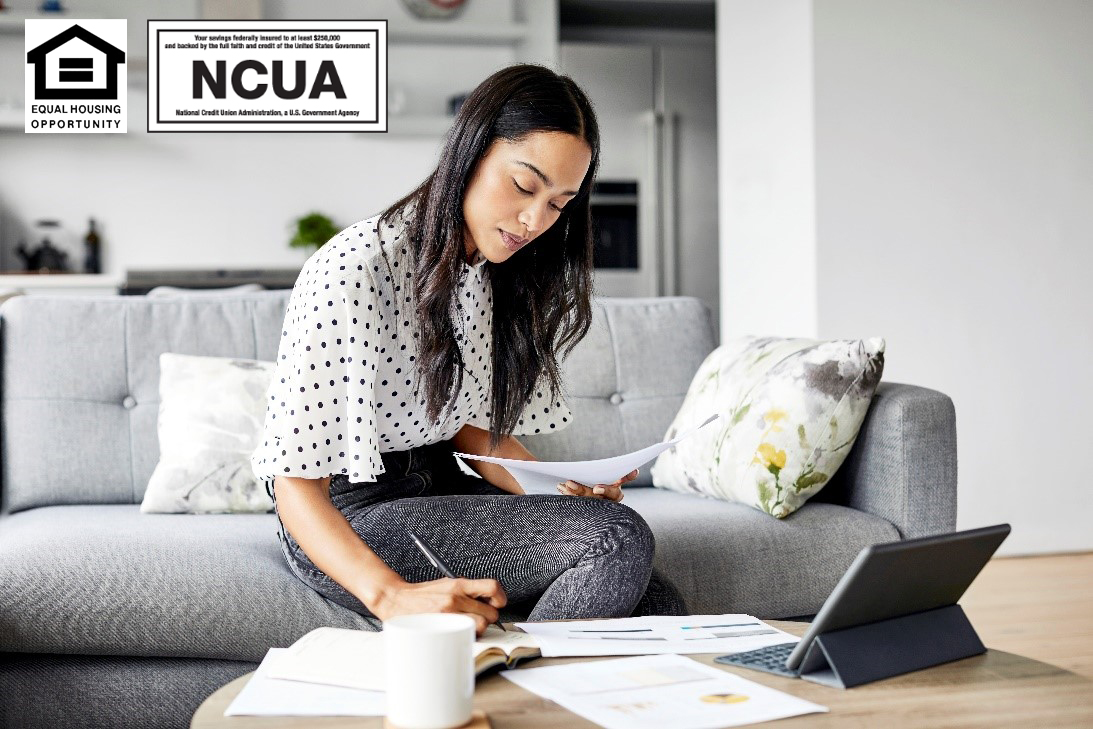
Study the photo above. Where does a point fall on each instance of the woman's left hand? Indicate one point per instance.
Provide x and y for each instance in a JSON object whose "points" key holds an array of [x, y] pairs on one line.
{"points": [[609, 491]]}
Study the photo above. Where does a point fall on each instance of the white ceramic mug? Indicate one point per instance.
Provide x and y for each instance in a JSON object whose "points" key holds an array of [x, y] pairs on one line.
{"points": [[430, 670]]}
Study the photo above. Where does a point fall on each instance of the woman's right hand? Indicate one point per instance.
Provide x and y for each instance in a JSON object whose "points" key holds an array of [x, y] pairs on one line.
{"points": [[446, 595]]}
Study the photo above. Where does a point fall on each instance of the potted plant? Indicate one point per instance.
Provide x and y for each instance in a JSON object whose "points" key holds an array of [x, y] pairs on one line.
{"points": [[312, 231]]}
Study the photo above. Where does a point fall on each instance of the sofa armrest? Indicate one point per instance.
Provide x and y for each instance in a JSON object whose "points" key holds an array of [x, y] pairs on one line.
{"points": [[902, 467]]}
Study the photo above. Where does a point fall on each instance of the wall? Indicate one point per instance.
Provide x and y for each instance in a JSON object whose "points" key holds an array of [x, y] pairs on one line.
{"points": [[953, 148], [192, 201], [765, 162]]}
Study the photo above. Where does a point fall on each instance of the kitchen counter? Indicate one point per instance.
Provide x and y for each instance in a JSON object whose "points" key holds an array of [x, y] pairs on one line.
{"points": [[52, 283]]}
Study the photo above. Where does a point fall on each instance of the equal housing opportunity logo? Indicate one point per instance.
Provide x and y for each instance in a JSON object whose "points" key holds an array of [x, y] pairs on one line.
{"points": [[75, 80], [267, 76]]}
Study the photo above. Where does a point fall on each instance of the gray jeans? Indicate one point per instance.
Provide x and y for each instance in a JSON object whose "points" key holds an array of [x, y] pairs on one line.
{"points": [[556, 556]]}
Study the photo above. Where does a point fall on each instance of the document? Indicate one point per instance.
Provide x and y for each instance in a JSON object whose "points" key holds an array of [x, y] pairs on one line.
{"points": [[545, 475], [731, 633], [266, 696], [336, 657], [354, 658], [658, 692]]}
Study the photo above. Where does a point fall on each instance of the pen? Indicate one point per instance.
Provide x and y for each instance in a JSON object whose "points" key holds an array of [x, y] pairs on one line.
{"points": [[437, 562]]}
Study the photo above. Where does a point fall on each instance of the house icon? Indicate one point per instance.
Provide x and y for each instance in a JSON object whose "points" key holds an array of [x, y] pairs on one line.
{"points": [[76, 64]]}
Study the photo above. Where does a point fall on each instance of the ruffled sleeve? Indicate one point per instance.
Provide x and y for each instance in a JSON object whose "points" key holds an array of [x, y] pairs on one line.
{"points": [[320, 411], [543, 414]]}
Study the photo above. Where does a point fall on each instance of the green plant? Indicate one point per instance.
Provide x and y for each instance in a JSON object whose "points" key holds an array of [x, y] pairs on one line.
{"points": [[313, 230]]}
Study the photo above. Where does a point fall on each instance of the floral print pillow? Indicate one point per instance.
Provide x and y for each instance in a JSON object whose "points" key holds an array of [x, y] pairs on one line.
{"points": [[791, 410]]}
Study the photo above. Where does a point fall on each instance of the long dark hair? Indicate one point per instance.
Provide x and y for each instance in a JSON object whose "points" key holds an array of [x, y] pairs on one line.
{"points": [[545, 288]]}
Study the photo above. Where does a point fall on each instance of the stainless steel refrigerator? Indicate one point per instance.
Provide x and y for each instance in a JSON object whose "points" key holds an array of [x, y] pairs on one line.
{"points": [[656, 106]]}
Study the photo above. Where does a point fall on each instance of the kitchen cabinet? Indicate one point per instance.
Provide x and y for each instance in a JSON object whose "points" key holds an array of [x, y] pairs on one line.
{"points": [[79, 284]]}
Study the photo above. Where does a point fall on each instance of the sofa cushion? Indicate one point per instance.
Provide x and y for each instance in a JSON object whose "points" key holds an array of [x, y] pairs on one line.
{"points": [[726, 557], [108, 580], [625, 380], [628, 377], [70, 438]]}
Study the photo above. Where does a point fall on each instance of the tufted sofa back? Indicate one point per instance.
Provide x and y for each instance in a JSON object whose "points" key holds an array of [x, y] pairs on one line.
{"points": [[79, 382]]}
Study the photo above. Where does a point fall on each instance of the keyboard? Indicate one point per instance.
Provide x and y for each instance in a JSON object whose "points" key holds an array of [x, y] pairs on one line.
{"points": [[771, 659]]}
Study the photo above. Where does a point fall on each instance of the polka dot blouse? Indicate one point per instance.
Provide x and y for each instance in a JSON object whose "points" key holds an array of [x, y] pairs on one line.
{"points": [[344, 390]]}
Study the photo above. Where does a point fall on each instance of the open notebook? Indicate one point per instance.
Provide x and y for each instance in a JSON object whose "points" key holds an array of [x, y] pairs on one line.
{"points": [[354, 658]]}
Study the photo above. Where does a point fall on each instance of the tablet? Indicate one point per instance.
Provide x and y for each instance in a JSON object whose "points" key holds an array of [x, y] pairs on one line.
{"points": [[899, 578]]}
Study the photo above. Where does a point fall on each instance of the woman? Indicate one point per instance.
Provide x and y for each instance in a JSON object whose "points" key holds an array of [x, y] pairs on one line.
{"points": [[435, 327]]}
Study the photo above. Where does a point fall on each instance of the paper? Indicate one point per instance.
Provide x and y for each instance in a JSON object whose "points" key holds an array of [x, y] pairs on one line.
{"points": [[658, 692], [354, 658], [732, 633], [266, 696], [545, 475], [334, 656]]}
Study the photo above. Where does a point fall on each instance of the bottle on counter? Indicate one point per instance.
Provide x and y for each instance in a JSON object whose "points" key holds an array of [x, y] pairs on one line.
{"points": [[92, 261]]}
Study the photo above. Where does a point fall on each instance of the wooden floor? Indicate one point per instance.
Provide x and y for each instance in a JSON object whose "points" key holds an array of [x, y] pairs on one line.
{"points": [[1039, 607]]}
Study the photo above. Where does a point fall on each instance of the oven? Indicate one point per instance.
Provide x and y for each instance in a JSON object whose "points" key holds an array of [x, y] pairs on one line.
{"points": [[614, 206], [624, 265]]}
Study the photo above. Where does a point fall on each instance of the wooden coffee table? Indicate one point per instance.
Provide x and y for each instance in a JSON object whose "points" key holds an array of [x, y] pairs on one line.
{"points": [[994, 689]]}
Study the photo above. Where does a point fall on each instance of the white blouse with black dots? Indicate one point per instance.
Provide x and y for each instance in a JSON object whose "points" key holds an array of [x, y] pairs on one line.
{"points": [[343, 390]]}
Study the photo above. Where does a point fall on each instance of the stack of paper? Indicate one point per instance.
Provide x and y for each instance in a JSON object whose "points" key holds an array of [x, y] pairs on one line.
{"points": [[266, 696], [654, 634], [336, 657], [339, 672], [355, 658], [657, 692]]}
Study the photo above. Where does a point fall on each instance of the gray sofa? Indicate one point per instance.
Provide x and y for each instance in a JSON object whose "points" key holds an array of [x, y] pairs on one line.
{"points": [[110, 617]]}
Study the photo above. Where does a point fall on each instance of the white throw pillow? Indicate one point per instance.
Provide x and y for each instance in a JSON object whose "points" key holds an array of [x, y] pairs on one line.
{"points": [[211, 413], [791, 410]]}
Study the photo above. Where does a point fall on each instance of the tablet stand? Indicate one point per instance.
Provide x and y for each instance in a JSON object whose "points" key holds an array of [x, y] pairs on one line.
{"points": [[864, 653]]}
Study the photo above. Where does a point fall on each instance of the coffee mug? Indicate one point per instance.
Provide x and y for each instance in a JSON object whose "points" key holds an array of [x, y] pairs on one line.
{"points": [[430, 670]]}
